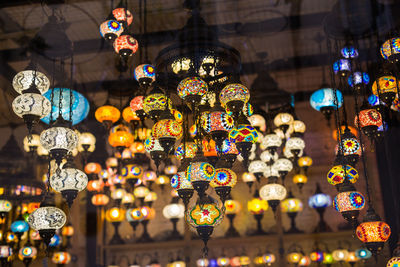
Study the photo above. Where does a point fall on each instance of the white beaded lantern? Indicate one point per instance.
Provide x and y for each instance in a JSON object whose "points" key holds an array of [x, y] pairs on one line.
{"points": [[23, 80], [59, 138], [31, 104], [273, 192], [257, 166], [174, 211], [47, 218], [69, 179]]}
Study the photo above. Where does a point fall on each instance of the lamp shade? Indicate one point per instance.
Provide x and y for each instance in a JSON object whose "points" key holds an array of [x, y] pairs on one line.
{"points": [[145, 71], [61, 257], [111, 29], [122, 14], [363, 253], [59, 138], [257, 166], [358, 79], [369, 117], [349, 201], [190, 152], [141, 192], [132, 171], [224, 177], [125, 45], [325, 98], [216, 121], [257, 206], [19, 226], [271, 141], [283, 119], [283, 165], [319, 200], [179, 181], [373, 232], [294, 257], [23, 80], [268, 157], [174, 211], [349, 52], [390, 49], [167, 128], [87, 142], [69, 179], [340, 254], [232, 206], [5, 206], [107, 113], [192, 88], [339, 173], [92, 168], [295, 145], [120, 136], [385, 84], [291, 205], [300, 179], [200, 171], [248, 177], [31, 104], [234, 92], [27, 252], [152, 144], [155, 101], [342, 67], [70, 100], [258, 121], [243, 133], [100, 199], [128, 115], [115, 214], [273, 192], [46, 218], [204, 215]]}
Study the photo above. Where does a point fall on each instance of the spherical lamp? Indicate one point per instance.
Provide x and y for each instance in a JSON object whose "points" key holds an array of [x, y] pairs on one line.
{"points": [[120, 137], [350, 146], [174, 212], [200, 173], [192, 89], [342, 67], [125, 45], [115, 216], [257, 167], [23, 80], [154, 103], [340, 173], [358, 80], [390, 50], [324, 100], [87, 142], [61, 258], [292, 206], [300, 180], [111, 29], [340, 254], [234, 96], [107, 114], [167, 131], [349, 203], [271, 142], [369, 120], [224, 180], [273, 193], [385, 87]]}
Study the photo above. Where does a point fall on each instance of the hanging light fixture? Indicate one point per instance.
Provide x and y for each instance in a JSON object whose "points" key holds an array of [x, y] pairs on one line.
{"points": [[120, 137], [271, 142], [390, 49], [200, 173], [351, 147], [234, 97], [111, 29], [283, 166], [340, 173], [385, 87], [125, 45], [156, 102], [300, 180], [69, 181], [358, 80], [292, 206], [224, 180], [107, 115], [342, 67], [369, 120], [167, 131], [274, 193], [191, 90], [324, 100], [47, 219], [257, 167], [349, 202], [283, 121]]}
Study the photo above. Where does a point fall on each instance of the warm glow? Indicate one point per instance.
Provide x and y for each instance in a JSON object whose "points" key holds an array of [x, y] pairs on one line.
{"points": [[107, 113]]}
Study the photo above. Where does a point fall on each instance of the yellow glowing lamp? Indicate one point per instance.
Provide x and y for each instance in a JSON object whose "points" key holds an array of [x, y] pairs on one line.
{"points": [[294, 257], [257, 206], [120, 136], [115, 214], [128, 115], [107, 114]]}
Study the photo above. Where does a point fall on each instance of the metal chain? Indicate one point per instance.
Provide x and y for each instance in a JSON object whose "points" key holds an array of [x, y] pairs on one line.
{"points": [[52, 92], [70, 90]]}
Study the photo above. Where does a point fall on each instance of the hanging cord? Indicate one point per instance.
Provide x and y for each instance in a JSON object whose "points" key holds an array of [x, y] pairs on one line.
{"points": [[52, 92], [146, 53], [61, 90], [70, 89], [335, 101], [141, 27]]}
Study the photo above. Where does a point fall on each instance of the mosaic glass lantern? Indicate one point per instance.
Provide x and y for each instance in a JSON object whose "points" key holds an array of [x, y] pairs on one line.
{"points": [[373, 232], [358, 80], [283, 121], [125, 45], [268, 158], [27, 253], [129, 116], [271, 173], [257, 206], [87, 142], [244, 136], [273, 193], [107, 114], [319, 200], [167, 131], [200, 174], [385, 87], [155, 103], [70, 100], [122, 14], [58, 141], [323, 100], [342, 67], [342, 130], [257, 167], [5, 207], [234, 96], [291, 205], [340, 173], [111, 29], [22, 81], [340, 254], [19, 227], [351, 148], [204, 217], [120, 137], [271, 142], [258, 121], [192, 89], [145, 74], [132, 173], [294, 257], [349, 203], [100, 200], [31, 107], [299, 127], [295, 145], [363, 253], [190, 152], [390, 50], [47, 219], [224, 180], [349, 52], [283, 166], [370, 121], [218, 124], [300, 180], [136, 106]]}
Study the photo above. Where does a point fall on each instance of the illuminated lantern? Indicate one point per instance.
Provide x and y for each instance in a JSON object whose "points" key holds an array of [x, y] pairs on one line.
{"points": [[167, 131], [258, 121], [248, 178], [200, 173], [340, 254], [373, 232], [234, 97], [370, 120], [342, 129], [324, 100], [257, 206], [223, 181], [115, 216], [162, 180], [358, 80], [136, 106], [204, 217], [27, 253], [390, 50], [363, 254], [385, 87], [244, 136], [299, 127], [152, 146], [149, 177], [273, 193], [349, 203], [342, 67], [295, 145], [141, 192], [129, 116], [191, 149], [170, 170], [317, 256], [269, 158], [155, 103], [92, 168], [137, 147], [22, 81], [192, 89], [300, 180], [351, 258], [271, 142], [122, 14], [111, 29], [292, 206], [395, 260], [218, 124], [132, 173], [120, 137], [223, 261], [283, 121], [31, 144], [145, 74], [340, 173], [19, 227], [202, 263], [5, 207], [349, 52], [61, 258], [304, 261], [257, 167], [294, 257], [107, 114], [351, 148], [100, 199], [125, 45], [283, 166]]}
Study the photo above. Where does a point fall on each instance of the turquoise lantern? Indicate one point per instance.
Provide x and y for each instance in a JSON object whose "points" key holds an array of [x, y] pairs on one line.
{"points": [[323, 100], [19, 227], [80, 105]]}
